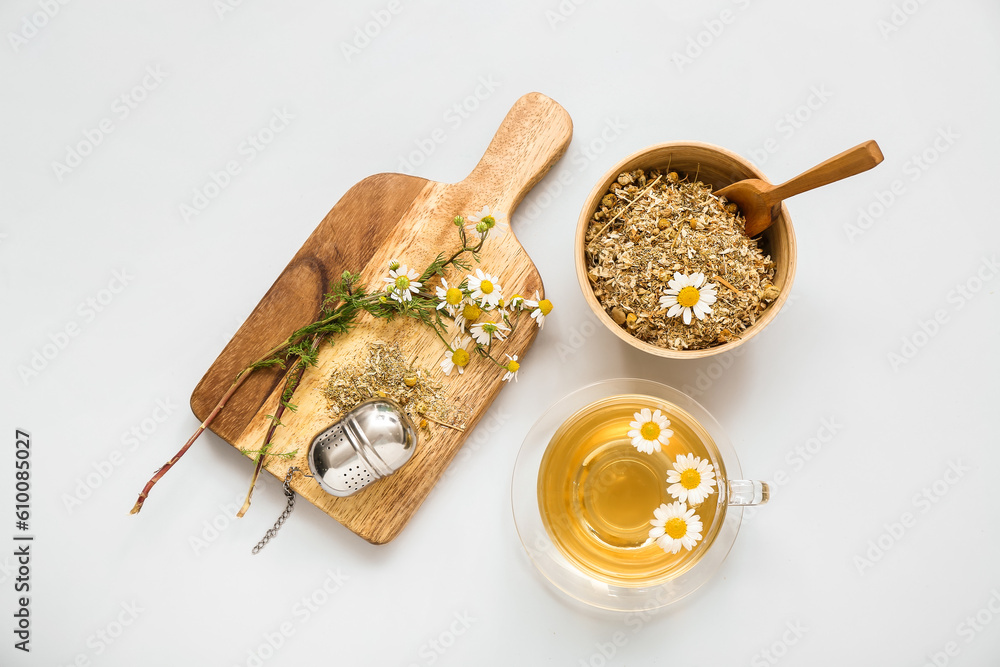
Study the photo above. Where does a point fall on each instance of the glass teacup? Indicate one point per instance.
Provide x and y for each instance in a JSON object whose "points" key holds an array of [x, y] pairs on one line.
{"points": [[627, 494]]}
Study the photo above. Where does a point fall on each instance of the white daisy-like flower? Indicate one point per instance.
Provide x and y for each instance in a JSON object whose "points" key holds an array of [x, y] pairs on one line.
{"points": [[484, 288], [492, 220], [458, 357], [539, 309], [649, 430], [689, 293], [469, 312], [675, 526], [484, 332], [451, 297], [692, 479], [516, 302], [402, 283], [511, 367]]}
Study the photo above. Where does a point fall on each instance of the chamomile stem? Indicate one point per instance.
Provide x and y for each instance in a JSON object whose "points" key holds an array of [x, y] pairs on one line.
{"points": [[240, 379], [293, 379], [436, 421], [490, 357], [442, 339]]}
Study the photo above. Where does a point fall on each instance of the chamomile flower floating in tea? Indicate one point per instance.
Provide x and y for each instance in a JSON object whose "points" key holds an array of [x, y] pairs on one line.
{"points": [[485, 289], [458, 356], [491, 221], [675, 526], [692, 479], [403, 282], [649, 430], [687, 294], [451, 297]]}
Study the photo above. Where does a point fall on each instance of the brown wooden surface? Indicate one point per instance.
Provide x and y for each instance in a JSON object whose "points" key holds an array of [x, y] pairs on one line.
{"points": [[383, 217]]}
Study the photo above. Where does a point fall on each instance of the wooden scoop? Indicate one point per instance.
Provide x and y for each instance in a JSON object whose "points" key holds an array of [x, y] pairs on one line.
{"points": [[760, 202]]}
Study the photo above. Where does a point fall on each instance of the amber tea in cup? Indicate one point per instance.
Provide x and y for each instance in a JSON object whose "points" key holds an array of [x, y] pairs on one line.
{"points": [[597, 492]]}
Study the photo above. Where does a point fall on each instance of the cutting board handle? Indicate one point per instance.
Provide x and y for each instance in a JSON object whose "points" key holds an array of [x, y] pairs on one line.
{"points": [[532, 137]]}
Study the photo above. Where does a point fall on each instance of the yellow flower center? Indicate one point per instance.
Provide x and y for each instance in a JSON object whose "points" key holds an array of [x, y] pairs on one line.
{"points": [[690, 479], [650, 431], [402, 283], [460, 357], [512, 366], [453, 296], [676, 528], [471, 312], [486, 287], [490, 221], [688, 296], [545, 306]]}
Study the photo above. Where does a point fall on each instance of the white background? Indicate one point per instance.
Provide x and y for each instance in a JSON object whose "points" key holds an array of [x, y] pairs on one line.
{"points": [[824, 556]]}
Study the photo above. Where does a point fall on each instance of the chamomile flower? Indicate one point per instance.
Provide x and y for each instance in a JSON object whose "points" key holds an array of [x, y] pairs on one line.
{"points": [[511, 367], [485, 289], [687, 294], [469, 312], [451, 297], [692, 479], [675, 526], [484, 332], [402, 283], [458, 357], [649, 430], [516, 302], [492, 222], [540, 309]]}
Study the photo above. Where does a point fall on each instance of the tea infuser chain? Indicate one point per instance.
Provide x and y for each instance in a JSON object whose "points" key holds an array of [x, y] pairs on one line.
{"points": [[284, 515]]}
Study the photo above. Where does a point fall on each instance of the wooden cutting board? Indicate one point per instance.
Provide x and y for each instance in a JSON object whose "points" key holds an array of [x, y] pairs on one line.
{"points": [[383, 217]]}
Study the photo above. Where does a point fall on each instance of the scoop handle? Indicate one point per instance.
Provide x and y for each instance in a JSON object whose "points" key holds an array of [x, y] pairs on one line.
{"points": [[532, 137], [852, 161]]}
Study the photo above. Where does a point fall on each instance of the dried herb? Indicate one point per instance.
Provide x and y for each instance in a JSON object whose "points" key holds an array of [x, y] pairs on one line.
{"points": [[385, 373], [652, 225]]}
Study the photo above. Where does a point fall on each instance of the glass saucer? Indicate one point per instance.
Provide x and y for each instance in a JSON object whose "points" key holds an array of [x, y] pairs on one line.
{"points": [[549, 559]]}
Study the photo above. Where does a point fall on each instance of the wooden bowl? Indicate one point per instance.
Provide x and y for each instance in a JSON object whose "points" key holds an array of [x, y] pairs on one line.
{"points": [[714, 166]]}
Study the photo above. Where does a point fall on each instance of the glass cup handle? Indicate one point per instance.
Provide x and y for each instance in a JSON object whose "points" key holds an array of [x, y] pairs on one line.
{"points": [[743, 492]]}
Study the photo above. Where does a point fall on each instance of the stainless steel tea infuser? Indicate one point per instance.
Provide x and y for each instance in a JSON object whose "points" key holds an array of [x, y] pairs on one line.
{"points": [[370, 442]]}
